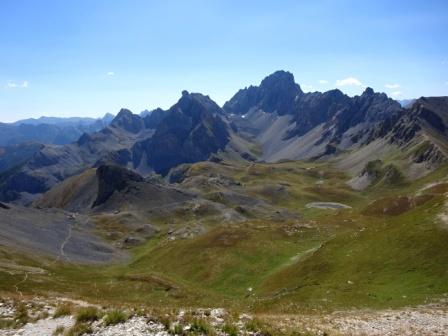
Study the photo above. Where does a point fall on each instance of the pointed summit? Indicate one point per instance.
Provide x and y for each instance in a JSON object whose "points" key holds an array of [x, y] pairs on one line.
{"points": [[279, 79], [276, 94], [368, 92], [128, 121]]}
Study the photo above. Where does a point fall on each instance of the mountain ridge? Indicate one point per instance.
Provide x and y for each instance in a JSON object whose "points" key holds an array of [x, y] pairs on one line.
{"points": [[276, 117]]}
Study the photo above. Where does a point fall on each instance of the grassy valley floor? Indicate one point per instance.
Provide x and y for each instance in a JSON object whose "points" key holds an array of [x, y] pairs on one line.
{"points": [[385, 250]]}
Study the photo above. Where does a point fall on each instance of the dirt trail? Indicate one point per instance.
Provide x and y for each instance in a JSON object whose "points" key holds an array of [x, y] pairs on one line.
{"points": [[328, 205], [16, 286], [61, 252]]}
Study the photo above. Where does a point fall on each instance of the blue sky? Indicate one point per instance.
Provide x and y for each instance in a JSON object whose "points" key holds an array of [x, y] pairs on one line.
{"points": [[89, 57]]}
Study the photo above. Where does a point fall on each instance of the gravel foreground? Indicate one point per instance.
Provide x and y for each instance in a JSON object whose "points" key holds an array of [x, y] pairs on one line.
{"points": [[428, 320], [425, 321]]}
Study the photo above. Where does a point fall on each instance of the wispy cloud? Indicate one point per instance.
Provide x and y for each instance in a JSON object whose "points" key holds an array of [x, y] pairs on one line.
{"points": [[396, 94], [19, 85], [111, 73], [349, 81], [323, 81], [392, 86]]}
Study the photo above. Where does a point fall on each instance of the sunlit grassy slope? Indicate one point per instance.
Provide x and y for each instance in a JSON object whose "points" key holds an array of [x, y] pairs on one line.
{"points": [[388, 250]]}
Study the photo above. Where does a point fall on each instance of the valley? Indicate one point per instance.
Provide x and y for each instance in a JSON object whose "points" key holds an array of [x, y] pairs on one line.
{"points": [[288, 206]]}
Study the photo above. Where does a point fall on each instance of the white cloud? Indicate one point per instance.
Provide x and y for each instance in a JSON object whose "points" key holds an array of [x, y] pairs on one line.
{"points": [[13, 85], [111, 73], [323, 81], [349, 81], [396, 93], [392, 86]]}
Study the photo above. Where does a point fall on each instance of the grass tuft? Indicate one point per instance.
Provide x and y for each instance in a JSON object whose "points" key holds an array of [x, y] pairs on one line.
{"points": [[115, 316], [79, 329], [59, 330], [64, 309], [202, 327], [87, 314], [230, 329], [176, 329]]}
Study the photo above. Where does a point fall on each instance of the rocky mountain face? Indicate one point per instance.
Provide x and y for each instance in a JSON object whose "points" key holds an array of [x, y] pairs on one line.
{"points": [[277, 93], [192, 130], [296, 125], [12, 156], [427, 120]]}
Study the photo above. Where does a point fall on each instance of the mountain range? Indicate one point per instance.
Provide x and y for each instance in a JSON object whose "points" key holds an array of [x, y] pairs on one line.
{"points": [[279, 201], [271, 122]]}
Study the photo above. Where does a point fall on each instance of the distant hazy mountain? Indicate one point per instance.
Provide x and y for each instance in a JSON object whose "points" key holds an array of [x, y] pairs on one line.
{"points": [[406, 102], [108, 117], [50, 130]]}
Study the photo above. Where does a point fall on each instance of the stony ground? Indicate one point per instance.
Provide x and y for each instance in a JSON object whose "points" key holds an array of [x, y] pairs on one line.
{"points": [[425, 321], [44, 327], [136, 326], [429, 320]]}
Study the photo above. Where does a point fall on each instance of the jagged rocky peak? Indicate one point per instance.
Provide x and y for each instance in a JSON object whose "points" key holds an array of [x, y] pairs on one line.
{"points": [[194, 103], [128, 121], [433, 111], [192, 130], [277, 93], [368, 92], [280, 80], [153, 118], [373, 106]]}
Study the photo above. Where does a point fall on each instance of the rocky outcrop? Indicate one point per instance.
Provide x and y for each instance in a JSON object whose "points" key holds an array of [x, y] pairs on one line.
{"points": [[111, 179]]}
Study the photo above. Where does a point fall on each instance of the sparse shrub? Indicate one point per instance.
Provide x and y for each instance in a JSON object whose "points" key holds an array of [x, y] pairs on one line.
{"points": [[6, 323], [260, 327], [64, 309], [165, 321], [230, 329], [115, 317], [200, 326], [79, 329], [177, 329], [58, 331], [253, 325], [87, 314], [42, 315], [21, 316]]}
